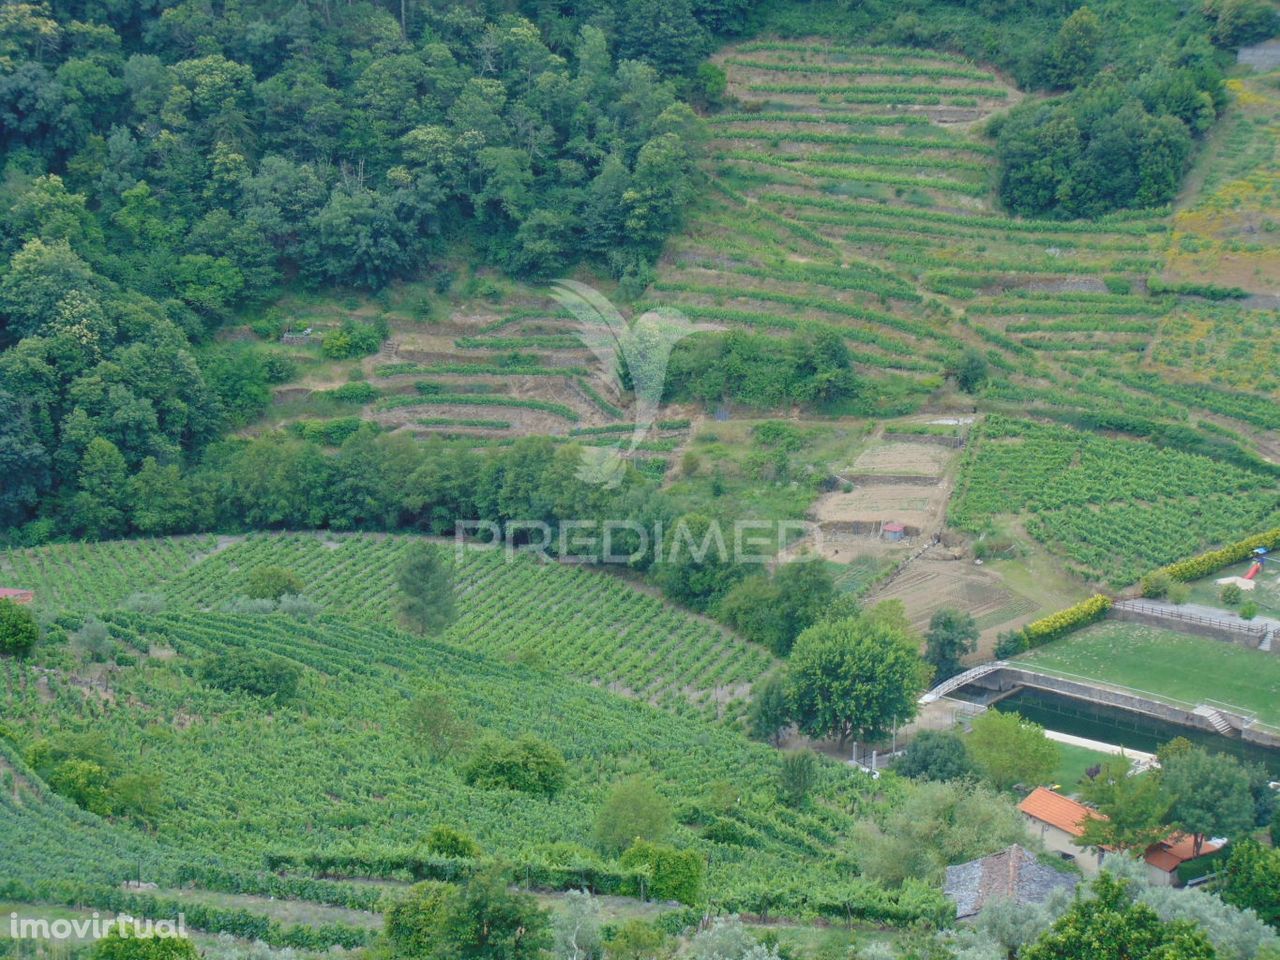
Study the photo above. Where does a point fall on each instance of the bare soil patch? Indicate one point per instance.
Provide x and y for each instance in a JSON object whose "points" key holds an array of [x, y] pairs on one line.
{"points": [[903, 458]]}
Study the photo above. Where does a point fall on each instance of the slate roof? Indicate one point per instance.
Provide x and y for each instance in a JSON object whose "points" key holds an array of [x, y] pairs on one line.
{"points": [[1012, 874]]}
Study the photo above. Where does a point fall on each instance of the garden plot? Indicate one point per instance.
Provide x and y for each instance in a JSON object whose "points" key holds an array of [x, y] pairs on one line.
{"points": [[930, 585], [903, 459], [887, 482]]}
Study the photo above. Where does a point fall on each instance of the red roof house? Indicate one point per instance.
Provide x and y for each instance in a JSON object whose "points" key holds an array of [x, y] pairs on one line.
{"points": [[1164, 858], [14, 595], [1059, 822]]}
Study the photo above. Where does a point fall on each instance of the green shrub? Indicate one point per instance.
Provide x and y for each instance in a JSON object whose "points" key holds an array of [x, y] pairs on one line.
{"points": [[329, 433], [528, 765], [251, 671], [18, 629], [1231, 595], [354, 392], [1179, 593], [1010, 644], [119, 946], [673, 874], [354, 338], [1156, 584], [271, 583], [448, 842], [1248, 610], [279, 368], [634, 810]]}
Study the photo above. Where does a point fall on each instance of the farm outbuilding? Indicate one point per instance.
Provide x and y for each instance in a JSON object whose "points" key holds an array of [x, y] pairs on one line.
{"points": [[893, 531], [15, 595], [1012, 874]]}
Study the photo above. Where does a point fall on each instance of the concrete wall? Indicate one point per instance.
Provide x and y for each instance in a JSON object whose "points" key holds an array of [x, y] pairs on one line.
{"points": [[1246, 636], [1010, 678]]}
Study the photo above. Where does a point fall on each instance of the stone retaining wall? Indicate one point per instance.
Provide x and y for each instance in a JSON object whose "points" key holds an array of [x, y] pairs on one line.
{"points": [[1010, 678], [1198, 628], [894, 479], [939, 439]]}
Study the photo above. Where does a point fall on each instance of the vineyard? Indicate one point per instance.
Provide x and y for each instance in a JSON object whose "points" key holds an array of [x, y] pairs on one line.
{"points": [[587, 624], [849, 190], [1113, 509], [334, 770]]}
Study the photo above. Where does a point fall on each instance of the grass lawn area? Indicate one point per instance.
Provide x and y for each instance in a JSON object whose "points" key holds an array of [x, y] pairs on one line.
{"points": [[1165, 663], [1073, 761]]}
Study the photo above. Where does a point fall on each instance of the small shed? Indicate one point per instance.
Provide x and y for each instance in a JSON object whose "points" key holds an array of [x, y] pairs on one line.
{"points": [[18, 596], [893, 531]]}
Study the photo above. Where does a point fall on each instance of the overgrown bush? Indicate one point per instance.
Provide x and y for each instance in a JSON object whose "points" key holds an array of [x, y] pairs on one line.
{"points": [[527, 764], [18, 629], [445, 841], [271, 583], [673, 874], [251, 671]]}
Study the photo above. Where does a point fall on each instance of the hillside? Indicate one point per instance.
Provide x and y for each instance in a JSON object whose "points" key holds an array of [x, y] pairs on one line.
{"points": [[585, 623], [456, 458], [336, 768]]}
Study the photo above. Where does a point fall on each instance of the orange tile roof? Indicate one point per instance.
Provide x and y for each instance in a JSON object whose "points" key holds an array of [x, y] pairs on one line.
{"points": [[1057, 811], [16, 595], [1168, 855]]}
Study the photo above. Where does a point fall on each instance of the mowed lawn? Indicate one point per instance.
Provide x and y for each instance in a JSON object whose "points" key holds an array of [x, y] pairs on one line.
{"points": [[1073, 761], [1176, 665]]}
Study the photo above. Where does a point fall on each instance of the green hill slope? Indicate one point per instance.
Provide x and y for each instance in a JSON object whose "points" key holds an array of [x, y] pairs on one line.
{"points": [[587, 624], [336, 769]]}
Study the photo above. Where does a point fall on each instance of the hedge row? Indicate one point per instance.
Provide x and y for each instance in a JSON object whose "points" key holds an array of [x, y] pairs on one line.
{"points": [[404, 864], [262, 884], [1193, 568], [856, 900], [1040, 632], [1208, 291]]}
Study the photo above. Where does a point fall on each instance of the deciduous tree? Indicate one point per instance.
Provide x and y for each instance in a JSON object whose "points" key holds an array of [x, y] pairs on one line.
{"points": [[952, 634], [854, 677], [1010, 750]]}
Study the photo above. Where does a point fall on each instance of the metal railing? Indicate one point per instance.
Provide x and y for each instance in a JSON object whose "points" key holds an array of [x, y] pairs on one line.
{"points": [[1164, 613]]}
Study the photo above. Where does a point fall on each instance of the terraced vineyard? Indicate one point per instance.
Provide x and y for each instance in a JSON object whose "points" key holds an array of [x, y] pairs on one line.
{"points": [[587, 624], [852, 191]]}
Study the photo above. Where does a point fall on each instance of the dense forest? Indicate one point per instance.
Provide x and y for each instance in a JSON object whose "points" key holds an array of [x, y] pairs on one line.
{"points": [[168, 166]]}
